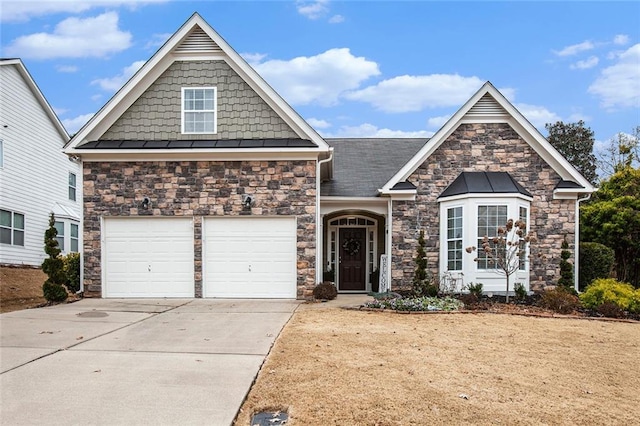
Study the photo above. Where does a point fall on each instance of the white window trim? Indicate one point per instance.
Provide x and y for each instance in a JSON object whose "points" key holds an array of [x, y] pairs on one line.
{"points": [[74, 186], [492, 281], [13, 228], [214, 111], [66, 236], [446, 238]]}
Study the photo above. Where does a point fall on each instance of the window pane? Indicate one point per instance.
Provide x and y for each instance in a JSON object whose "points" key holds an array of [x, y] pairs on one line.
{"points": [[74, 245], [72, 179], [18, 238], [18, 221], [60, 241], [5, 235], [5, 218], [59, 227], [72, 193], [74, 230]]}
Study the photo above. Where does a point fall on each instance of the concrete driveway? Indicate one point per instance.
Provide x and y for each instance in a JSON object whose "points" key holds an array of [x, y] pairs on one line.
{"points": [[113, 361]]}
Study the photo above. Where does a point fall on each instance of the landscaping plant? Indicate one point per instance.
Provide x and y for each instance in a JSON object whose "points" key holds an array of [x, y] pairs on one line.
{"points": [[560, 300], [506, 250], [520, 291], [596, 261], [53, 288], [325, 291], [566, 268], [72, 271], [475, 289], [609, 290], [422, 279]]}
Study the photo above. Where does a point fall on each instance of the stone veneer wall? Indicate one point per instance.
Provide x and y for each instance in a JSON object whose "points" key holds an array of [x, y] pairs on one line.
{"points": [[242, 113], [199, 189], [481, 147]]}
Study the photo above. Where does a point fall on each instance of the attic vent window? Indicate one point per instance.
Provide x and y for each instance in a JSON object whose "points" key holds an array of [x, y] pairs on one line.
{"points": [[199, 110]]}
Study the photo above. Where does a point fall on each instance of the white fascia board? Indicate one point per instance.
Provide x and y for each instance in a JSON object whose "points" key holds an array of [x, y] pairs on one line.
{"points": [[570, 193], [487, 196], [400, 195], [434, 142], [330, 205], [331, 199], [22, 70], [190, 155]]}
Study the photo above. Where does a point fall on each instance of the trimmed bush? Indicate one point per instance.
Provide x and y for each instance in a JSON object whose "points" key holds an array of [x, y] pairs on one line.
{"points": [[609, 290], [72, 271], [596, 261], [475, 289], [560, 300], [520, 291], [325, 291], [54, 292], [53, 289]]}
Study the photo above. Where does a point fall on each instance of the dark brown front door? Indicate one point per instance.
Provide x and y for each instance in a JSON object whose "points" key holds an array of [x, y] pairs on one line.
{"points": [[353, 251]]}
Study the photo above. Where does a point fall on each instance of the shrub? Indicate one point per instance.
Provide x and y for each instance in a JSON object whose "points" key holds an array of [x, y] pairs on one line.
{"points": [[520, 291], [325, 291], [470, 300], [475, 289], [72, 271], [566, 268], [54, 292], [611, 310], [604, 290], [423, 284], [560, 300], [596, 261], [417, 304], [53, 289]]}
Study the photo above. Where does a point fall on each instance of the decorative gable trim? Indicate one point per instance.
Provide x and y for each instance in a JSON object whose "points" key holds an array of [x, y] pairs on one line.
{"points": [[190, 43], [198, 41], [488, 105]]}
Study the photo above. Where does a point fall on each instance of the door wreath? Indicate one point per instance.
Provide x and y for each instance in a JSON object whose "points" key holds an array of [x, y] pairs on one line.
{"points": [[351, 246]]}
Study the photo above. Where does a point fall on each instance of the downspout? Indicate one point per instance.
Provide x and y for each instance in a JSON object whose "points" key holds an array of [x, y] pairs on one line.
{"points": [[389, 240], [319, 265], [576, 266]]}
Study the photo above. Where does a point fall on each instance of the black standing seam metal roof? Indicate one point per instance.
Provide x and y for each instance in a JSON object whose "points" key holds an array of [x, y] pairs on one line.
{"points": [[198, 144], [568, 184], [361, 166], [484, 183]]}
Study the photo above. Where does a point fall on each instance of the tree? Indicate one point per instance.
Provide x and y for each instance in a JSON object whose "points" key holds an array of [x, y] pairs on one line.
{"points": [[622, 150], [566, 268], [53, 288], [422, 285], [507, 250], [575, 142], [612, 218]]}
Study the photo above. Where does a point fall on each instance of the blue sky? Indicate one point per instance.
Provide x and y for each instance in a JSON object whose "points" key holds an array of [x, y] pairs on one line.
{"points": [[355, 68]]}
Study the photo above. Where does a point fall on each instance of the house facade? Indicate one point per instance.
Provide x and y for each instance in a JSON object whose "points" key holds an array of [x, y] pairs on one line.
{"points": [[201, 181], [36, 177]]}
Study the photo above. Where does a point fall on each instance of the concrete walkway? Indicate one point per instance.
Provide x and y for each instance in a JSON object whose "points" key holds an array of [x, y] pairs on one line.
{"points": [[134, 362]]}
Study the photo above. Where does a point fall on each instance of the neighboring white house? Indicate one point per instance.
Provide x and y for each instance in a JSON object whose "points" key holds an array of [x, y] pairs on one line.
{"points": [[36, 177]]}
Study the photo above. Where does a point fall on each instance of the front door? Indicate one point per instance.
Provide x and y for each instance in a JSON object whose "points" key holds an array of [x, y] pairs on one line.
{"points": [[352, 260]]}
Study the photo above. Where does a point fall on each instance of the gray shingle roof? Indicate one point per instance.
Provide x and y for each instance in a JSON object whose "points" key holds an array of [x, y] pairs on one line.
{"points": [[362, 166], [189, 144]]}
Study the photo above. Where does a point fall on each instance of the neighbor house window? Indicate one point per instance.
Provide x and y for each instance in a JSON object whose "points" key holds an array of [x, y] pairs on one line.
{"points": [[74, 238], [11, 228], [72, 186], [60, 237], [454, 239], [199, 112], [490, 218]]}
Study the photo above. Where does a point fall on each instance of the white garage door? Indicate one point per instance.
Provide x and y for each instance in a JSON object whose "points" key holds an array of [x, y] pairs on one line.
{"points": [[250, 257], [150, 257]]}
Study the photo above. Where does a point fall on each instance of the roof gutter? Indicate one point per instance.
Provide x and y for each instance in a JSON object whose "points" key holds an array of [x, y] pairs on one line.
{"points": [[576, 266], [319, 265]]}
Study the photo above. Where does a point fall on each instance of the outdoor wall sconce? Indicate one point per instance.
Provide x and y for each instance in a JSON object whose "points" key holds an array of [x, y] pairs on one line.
{"points": [[145, 203], [247, 200]]}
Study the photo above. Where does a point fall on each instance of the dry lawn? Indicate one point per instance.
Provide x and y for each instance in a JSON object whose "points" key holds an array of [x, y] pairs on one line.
{"points": [[339, 367], [20, 288]]}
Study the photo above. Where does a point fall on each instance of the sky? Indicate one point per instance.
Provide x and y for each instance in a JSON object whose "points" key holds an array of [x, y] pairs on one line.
{"points": [[355, 68]]}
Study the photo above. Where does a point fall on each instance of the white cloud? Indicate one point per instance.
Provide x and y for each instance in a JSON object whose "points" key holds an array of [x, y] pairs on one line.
{"points": [[253, 58], [414, 93], [20, 11], [574, 49], [96, 97], [74, 38], [157, 40], [590, 62], [370, 131], [336, 19], [437, 122], [67, 68], [115, 83], [320, 79], [318, 124], [59, 111], [619, 84], [621, 39], [313, 9], [74, 124], [537, 115]]}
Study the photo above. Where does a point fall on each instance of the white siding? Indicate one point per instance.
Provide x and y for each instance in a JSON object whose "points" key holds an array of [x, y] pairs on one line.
{"points": [[35, 173]]}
